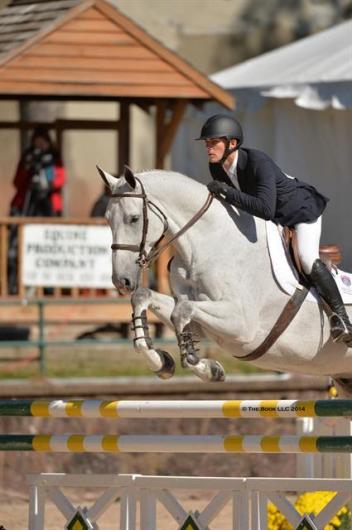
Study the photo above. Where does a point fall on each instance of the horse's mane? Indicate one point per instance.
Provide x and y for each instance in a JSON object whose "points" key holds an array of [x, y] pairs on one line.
{"points": [[168, 177], [162, 177]]}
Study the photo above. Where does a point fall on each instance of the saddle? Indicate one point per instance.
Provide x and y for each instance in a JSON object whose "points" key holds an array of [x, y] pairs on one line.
{"points": [[330, 254]]}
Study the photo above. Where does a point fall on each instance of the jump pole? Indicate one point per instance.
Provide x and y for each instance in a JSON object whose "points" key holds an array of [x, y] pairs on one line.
{"points": [[178, 409], [77, 443]]}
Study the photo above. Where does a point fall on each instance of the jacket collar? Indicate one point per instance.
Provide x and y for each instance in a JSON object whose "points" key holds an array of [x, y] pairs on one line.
{"points": [[242, 160]]}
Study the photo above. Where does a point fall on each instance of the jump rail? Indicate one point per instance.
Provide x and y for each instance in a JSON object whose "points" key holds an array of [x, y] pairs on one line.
{"points": [[78, 443], [178, 409]]}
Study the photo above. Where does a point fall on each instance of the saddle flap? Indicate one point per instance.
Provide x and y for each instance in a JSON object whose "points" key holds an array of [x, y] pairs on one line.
{"points": [[285, 272], [330, 254]]}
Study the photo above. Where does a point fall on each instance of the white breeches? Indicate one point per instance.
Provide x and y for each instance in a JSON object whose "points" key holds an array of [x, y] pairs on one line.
{"points": [[308, 239]]}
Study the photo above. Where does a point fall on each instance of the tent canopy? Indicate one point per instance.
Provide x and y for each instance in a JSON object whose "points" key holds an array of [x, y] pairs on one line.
{"points": [[316, 71]]}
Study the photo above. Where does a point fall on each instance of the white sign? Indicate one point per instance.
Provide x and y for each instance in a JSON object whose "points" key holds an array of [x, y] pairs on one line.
{"points": [[67, 256]]}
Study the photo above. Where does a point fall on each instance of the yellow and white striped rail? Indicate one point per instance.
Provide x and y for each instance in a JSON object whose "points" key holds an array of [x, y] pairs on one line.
{"points": [[79, 443], [177, 409]]}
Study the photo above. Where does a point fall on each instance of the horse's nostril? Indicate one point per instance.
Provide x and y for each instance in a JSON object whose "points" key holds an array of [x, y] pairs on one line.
{"points": [[126, 282]]}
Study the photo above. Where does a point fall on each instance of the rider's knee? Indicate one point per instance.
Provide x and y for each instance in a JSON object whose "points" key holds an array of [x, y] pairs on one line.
{"points": [[307, 260]]}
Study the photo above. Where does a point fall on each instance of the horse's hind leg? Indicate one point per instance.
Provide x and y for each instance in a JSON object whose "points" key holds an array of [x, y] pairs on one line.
{"points": [[159, 361], [186, 316]]}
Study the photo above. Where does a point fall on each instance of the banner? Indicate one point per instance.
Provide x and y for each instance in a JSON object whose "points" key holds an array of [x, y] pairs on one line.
{"points": [[67, 256]]}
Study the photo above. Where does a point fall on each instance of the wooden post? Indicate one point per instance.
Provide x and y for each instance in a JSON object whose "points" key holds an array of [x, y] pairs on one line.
{"points": [[166, 129], [160, 129], [3, 259], [20, 286], [165, 133], [123, 136]]}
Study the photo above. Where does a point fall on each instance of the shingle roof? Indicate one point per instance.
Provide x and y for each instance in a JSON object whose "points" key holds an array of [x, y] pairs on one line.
{"points": [[88, 48], [22, 19]]}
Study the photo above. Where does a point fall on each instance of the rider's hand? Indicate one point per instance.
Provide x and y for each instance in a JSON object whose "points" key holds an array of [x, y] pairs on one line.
{"points": [[218, 188]]}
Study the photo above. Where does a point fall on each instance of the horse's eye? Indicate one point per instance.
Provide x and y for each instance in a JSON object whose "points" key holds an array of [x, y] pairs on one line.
{"points": [[134, 219]]}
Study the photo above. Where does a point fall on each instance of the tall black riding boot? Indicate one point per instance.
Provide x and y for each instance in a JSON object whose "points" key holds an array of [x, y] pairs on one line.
{"points": [[322, 280]]}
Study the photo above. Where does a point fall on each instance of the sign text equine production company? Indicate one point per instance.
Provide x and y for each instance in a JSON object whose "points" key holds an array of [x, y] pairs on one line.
{"points": [[66, 255]]}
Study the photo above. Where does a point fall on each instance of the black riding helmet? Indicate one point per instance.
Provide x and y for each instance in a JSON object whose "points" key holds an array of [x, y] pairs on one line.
{"points": [[222, 126]]}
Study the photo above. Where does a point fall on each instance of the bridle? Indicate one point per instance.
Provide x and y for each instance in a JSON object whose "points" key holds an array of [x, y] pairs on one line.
{"points": [[145, 259]]}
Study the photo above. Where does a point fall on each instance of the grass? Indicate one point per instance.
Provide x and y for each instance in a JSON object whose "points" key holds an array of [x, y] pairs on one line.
{"points": [[102, 361]]}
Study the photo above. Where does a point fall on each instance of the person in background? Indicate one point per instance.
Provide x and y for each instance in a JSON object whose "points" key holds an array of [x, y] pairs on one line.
{"points": [[39, 179]]}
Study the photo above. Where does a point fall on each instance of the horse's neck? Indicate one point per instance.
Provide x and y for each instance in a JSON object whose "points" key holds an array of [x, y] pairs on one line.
{"points": [[222, 232]]}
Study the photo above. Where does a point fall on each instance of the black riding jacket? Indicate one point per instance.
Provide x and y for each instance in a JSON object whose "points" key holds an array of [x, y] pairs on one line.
{"points": [[267, 192]]}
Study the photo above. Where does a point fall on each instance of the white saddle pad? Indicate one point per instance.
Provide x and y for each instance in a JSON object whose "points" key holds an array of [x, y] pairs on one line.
{"points": [[285, 273]]}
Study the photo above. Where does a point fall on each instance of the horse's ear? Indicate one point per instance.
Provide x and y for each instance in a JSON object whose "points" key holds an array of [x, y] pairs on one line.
{"points": [[129, 176], [109, 180]]}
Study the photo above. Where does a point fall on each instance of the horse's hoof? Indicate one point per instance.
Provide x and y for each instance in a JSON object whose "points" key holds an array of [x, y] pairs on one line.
{"points": [[192, 359], [217, 372], [209, 371], [168, 368]]}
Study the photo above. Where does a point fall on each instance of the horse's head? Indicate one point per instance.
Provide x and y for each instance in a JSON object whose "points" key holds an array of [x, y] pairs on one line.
{"points": [[135, 227]]}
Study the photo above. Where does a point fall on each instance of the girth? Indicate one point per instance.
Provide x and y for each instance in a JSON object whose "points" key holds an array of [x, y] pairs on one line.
{"points": [[286, 316]]}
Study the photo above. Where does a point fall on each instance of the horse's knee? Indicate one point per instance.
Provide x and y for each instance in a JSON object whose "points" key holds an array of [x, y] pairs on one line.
{"points": [[182, 314], [141, 296]]}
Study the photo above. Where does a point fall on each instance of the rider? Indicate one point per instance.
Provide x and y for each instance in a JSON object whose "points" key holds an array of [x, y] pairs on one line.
{"points": [[250, 180]]}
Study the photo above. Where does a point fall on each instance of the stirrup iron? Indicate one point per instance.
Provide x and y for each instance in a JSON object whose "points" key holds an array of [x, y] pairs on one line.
{"points": [[338, 329]]}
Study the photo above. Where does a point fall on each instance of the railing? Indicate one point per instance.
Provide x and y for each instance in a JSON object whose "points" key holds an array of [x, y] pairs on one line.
{"points": [[41, 312], [46, 304], [241, 502]]}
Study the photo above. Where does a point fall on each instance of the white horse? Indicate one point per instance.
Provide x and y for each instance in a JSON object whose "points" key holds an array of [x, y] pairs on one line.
{"points": [[221, 280]]}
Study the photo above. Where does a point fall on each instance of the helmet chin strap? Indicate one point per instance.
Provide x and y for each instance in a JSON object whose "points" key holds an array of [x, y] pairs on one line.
{"points": [[228, 151]]}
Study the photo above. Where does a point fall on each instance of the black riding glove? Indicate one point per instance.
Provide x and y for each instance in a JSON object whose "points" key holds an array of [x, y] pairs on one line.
{"points": [[219, 189]]}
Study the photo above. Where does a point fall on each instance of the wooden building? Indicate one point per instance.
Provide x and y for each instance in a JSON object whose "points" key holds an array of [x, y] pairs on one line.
{"points": [[69, 50]]}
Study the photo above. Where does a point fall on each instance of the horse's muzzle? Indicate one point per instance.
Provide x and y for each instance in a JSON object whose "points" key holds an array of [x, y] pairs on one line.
{"points": [[123, 285]]}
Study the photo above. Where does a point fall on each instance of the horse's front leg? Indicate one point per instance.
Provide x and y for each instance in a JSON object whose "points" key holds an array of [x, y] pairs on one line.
{"points": [[215, 317], [162, 305]]}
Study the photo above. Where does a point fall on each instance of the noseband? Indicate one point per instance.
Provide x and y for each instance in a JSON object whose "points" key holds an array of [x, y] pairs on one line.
{"points": [[144, 260]]}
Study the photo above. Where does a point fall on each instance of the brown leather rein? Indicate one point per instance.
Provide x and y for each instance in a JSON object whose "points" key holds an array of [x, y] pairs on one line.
{"points": [[144, 260]]}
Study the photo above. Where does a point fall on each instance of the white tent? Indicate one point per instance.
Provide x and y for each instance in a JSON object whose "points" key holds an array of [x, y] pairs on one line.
{"points": [[295, 103], [316, 71]]}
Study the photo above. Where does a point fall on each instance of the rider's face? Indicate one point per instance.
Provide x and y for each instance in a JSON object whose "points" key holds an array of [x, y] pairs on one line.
{"points": [[215, 149]]}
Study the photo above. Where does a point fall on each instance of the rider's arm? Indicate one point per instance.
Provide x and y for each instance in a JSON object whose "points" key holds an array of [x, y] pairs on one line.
{"points": [[262, 203]]}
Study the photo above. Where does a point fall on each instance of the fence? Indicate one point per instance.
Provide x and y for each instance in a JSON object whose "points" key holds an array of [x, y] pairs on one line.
{"points": [[242, 501], [42, 305], [43, 312], [248, 498], [266, 409]]}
